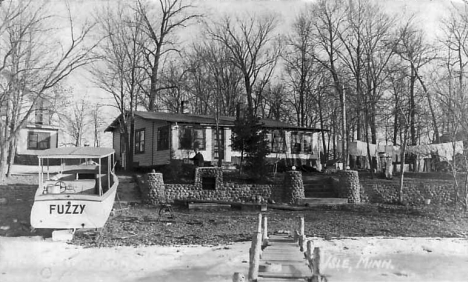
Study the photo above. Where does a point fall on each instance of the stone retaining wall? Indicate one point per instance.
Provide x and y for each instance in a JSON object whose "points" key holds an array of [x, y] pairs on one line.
{"points": [[415, 191], [225, 192], [290, 191], [347, 184]]}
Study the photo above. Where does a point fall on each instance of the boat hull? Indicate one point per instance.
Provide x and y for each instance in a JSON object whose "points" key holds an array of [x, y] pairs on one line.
{"points": [[64, 211]]}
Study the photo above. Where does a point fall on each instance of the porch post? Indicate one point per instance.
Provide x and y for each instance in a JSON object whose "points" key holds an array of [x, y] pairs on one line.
{"points": [[208, 144], [174, 139], [227, 145]]}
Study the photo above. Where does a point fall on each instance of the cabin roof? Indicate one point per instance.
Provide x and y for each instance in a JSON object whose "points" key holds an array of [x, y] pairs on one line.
{"points": [[227, 121], [76, 152]]}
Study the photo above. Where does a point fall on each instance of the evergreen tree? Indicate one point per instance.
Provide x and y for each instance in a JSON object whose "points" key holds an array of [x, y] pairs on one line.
{"points": [[250, 139]]}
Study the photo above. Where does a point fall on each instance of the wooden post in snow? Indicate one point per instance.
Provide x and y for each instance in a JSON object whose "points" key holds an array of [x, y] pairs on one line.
{"points": [[309, 249], [302, 243], [301, 226], [296, 236], [301, 236], [313, 258], [265, 231], [255, 250], [316, 276], [259, 225]]}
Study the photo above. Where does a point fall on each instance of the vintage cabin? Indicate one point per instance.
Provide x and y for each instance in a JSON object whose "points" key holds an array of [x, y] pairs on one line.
{"points": [[157, 134]]}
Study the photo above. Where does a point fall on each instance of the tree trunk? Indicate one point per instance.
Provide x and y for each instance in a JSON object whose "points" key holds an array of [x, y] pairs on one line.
{"points": [[131, 145], [412, 109], [402, 170], [322, 125], [248, 90], [11, 155], [344, 137], [3, 159]]}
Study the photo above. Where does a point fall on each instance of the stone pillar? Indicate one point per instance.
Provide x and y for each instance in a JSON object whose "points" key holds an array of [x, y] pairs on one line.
{"points": [[293, 187], [349, 186], [156, 189], [216, 172]]}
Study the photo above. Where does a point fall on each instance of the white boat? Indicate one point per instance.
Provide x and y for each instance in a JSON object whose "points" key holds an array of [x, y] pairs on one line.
{"points": [[77, 188]]}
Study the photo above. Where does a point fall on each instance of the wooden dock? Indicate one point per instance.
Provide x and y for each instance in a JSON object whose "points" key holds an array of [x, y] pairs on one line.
{"points": [[282, 260], [282, 257]]}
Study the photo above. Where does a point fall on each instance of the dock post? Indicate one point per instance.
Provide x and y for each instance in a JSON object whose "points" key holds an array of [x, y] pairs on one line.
{"points": [[301, 236], [255, 250], [296, 236], [301, 226], [309, 249], [259, 225], [302, 243], [316, 276], [265, 231]]}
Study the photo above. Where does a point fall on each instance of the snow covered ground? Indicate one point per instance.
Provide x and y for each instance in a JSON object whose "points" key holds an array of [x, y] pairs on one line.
{"points": [[348, 259]]}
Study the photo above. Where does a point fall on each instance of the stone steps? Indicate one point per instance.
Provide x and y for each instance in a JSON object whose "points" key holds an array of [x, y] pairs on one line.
{"points": [[318, 187]]}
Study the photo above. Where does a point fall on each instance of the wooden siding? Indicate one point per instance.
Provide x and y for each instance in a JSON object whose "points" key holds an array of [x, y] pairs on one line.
{"points": [[151, 156], [116, 145]]}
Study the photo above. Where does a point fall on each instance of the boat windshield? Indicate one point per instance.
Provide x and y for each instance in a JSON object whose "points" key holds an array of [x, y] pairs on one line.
{"points": [[80, 175]]}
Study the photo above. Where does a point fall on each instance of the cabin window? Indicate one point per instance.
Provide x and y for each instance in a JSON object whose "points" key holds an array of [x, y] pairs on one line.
{"points": [[277, 142], [140, 141], [38, 140], [301, 142], [191, 137], [307, 143], [296, 142], [163, 138]]}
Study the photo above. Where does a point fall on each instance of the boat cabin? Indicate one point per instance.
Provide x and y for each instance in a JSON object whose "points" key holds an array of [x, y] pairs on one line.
{"points": [[74, 171]]}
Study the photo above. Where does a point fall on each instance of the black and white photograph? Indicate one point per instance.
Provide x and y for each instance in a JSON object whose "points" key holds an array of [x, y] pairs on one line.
{"points": [[233, 140]]}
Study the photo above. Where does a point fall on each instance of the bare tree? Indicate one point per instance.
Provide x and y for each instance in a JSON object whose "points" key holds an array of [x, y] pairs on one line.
{"points": [[412, 48], [300, 66], [161, 22], [451, 90], [75, 121], [97, 122], [253, 49], [33, 60], [120, 72], [329, 19]]}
